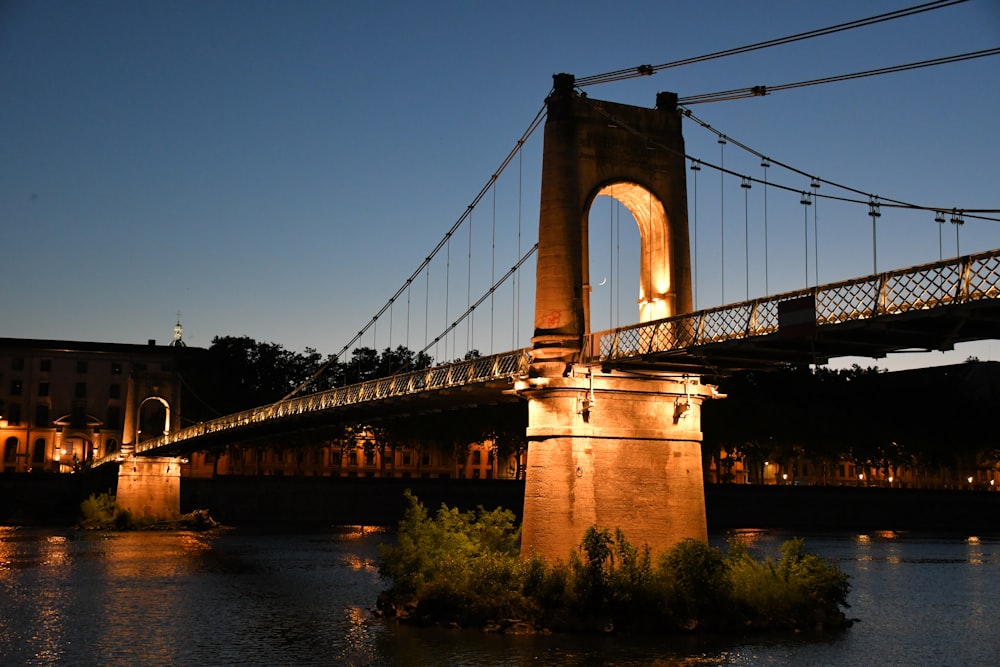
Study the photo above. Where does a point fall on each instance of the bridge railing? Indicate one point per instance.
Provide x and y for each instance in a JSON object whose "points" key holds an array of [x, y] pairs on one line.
{"points": [[481, 369], [959, 280]]}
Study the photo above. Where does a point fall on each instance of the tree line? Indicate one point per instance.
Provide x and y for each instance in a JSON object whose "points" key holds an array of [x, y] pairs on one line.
{"points": [[931, 421]]}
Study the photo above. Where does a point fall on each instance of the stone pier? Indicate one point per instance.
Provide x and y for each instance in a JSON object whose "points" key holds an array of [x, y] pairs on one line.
{"points": [[613, 451], [149, 487]]}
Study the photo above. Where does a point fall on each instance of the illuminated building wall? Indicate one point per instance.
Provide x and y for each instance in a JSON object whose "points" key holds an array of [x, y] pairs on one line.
{"points": [[62, 403]]}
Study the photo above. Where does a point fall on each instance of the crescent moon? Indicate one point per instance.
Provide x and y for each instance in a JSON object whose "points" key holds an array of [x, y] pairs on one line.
{"points": [[603, 280]]}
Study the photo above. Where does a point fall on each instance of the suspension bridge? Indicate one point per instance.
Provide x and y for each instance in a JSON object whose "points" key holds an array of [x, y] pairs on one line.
{"points": [[614, 415]]}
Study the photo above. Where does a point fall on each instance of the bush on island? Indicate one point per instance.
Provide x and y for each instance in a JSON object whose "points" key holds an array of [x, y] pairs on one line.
{"points": [[464, 569]]}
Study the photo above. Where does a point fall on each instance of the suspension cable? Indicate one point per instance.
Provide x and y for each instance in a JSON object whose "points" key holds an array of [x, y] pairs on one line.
{"points": [[884, 202], [516, 151], [512, 271], [722, 214], [648, 70], [761, 91]]}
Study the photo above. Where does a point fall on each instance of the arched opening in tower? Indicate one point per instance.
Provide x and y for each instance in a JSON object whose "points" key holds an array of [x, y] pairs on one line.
{"points": [[628, 258]]}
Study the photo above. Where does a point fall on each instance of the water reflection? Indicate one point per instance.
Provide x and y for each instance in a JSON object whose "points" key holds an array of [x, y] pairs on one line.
{"points": [[232, 598]]}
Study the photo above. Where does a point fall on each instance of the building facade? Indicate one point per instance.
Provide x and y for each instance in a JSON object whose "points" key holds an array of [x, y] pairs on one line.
{"points": [[360, 457], [65, 403]]}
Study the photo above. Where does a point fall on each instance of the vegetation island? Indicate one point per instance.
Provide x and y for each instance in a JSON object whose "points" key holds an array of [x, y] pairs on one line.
{"points": [[464, 570]]}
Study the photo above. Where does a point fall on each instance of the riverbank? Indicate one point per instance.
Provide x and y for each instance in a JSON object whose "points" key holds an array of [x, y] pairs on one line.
{"points": [[322, 501]]}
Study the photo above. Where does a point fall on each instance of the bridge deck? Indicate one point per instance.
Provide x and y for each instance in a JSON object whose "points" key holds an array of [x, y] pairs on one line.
{"points": [[927, 307]]}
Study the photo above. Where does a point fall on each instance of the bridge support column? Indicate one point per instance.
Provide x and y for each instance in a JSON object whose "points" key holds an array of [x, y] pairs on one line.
{"points": [[614, 451], [149, 487]]}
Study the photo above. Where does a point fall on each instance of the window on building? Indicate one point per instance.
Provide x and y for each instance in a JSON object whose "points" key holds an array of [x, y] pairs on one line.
{"points": [[116, 368], [335, 458], [38, 452], [43, 388], [115, 391], [13, 414], [10, 450], [477, 457], [475, 473], [81, 367], [80, 390], [407, 459], [489, 473], [369, 458], [111, 445], [45, 365], [352, 458], [114, 417], [425, 460], [16, 387], [42, 416]]}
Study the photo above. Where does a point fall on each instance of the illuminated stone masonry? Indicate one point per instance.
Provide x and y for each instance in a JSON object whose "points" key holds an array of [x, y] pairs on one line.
{"points": [[613, 450]]}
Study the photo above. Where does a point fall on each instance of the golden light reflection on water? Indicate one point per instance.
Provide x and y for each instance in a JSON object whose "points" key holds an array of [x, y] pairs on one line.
{"points": [[975, 551], [357, 532], [55, 552], [6, 548], [365, 564], [195, 543], [748, 537]]}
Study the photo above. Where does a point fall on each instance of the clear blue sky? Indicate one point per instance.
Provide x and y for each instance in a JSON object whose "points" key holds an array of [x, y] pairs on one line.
{"points": [[278, 169]]}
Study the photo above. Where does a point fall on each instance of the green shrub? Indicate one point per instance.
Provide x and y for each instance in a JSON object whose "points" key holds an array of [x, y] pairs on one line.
{"points": [[98, 511], [464, 567], [694, 574], [798, 586]]}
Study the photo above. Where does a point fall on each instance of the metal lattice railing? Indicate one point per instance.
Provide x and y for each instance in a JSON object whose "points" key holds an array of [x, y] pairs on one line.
{"points": [[960, 280], [479, 370]]}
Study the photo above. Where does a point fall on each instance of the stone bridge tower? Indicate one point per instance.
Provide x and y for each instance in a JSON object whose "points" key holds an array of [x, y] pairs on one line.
{"points": [[149, 487], [605, 446]]}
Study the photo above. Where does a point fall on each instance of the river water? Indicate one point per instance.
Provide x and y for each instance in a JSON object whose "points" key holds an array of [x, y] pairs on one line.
{"points": [[244, 598]]}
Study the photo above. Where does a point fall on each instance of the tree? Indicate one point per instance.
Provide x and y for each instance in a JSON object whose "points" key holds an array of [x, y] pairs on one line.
{"points": [[250, 373]]}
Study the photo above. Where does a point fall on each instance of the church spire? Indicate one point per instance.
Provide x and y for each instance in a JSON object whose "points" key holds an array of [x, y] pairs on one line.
{"points": [[178, 340]]}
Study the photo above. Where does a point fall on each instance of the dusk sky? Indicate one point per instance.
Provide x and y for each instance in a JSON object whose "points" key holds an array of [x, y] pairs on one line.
{"points": [[279, 169]]}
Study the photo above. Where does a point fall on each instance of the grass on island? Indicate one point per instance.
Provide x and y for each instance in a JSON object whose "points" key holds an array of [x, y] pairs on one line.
{"points": [[101, 512], [464, 569]]}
